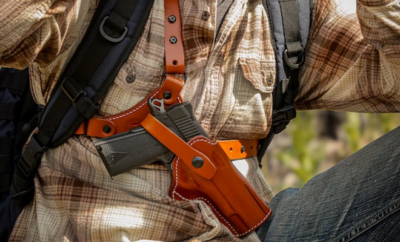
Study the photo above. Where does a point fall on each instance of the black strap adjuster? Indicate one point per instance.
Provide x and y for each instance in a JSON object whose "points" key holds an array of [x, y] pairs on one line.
{"points": [[72, 89], [79, 98], [282, 117], [31, 157]]}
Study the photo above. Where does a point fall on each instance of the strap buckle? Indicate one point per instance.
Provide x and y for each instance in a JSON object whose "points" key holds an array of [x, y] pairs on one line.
{"points": [[31, 156], [109, 38], [72, 89], [79, 98], [282, 117], [288, 61]]}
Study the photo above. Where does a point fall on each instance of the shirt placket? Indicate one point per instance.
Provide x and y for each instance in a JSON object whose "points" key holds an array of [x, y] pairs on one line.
{"points": [[213, 68]]}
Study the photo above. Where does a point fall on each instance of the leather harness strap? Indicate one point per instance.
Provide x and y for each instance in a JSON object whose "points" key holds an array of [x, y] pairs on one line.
{"points": [[102, 127], [174, 54]]}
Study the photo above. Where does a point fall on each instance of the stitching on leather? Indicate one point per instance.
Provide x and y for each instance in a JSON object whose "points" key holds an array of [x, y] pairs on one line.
{"points": [[123, 115], [207, 201]]}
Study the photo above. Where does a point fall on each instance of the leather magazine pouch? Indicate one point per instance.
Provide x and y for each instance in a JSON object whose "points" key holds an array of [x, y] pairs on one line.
{"points": [[230, 196]]}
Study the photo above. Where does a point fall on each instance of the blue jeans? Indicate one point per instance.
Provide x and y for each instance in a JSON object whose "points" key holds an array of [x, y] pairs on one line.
{"points": [[358, 200]]}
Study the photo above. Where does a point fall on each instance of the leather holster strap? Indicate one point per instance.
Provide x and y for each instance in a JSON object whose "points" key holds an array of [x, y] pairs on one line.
{"points": [[239, 149], [174, 54], [179, 147], [102, 127]]}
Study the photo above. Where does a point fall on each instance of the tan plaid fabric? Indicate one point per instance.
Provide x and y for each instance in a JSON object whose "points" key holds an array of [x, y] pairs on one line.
{"points": [[352, 64]]}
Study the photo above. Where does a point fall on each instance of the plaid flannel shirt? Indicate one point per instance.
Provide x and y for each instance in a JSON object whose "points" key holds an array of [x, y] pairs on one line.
{"points": [[352, 63]]}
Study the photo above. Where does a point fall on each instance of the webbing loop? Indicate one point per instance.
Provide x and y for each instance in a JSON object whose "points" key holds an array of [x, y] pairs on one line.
{"points": [[108, 37], [30, 158]]}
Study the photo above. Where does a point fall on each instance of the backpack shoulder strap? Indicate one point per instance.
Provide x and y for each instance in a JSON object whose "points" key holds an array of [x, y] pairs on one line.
{"points": [[13, 88], [111, 37], [290, 22]]}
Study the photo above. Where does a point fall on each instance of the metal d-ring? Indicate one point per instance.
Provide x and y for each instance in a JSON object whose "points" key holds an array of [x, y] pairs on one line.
{"points": [[109, 38], [290, 64]]}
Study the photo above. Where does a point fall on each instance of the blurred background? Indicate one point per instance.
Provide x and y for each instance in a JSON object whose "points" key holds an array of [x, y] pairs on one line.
{"points": [[316, 140]]}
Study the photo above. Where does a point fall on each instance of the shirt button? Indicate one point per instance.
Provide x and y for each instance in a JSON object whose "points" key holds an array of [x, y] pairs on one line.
{"points": [[131, 77], [206, 15]]}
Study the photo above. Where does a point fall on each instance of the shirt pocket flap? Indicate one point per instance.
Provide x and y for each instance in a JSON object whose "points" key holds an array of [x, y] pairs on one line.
{"points": [[260, 73]]}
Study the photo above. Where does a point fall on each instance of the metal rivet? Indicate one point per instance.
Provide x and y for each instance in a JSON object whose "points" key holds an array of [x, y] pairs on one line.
{"points": [[173, 40], [106, 129], [206, 15], [130, 78], [270, 82], [242, 149], [197, 162], [172, 19], [167, 95]]}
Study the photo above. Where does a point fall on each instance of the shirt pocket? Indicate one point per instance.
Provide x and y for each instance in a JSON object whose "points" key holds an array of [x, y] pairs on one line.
{"points": [[261, 74], [250, 116], [134, 81]]}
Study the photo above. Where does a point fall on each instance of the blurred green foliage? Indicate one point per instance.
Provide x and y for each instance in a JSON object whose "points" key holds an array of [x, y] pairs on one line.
{"points": [[304, 156], [307, 152], [361, 129]]}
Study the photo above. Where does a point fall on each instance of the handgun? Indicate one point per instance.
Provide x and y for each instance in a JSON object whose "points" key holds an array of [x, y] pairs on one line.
{"points": [[135, 148]]}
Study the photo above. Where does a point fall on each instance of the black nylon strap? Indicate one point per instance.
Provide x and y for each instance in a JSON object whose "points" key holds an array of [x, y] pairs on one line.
{"points": [[294, 55], [5, 182], [119, 17], [83, 66], [78, 98], [8, 111], [6, 165], [286, 90], [125, 8], [15, 82], [113, 26], [291, 25], [6, 145], [140, 26], [85, 69], [292, 88]]}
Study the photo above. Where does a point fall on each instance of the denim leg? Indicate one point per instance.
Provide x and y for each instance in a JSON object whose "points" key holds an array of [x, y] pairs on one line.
{"points": [[358, 199]]}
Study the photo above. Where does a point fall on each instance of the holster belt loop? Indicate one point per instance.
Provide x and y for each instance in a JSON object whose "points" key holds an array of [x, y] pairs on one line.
{"points": [[239, 149]]}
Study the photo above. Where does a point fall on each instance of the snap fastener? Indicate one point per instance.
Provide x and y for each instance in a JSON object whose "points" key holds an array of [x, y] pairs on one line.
{"points": [[270, 82], [173, 40], [172, 19], [206, 15], [106, 129], [167, 95], [197, 162]]}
